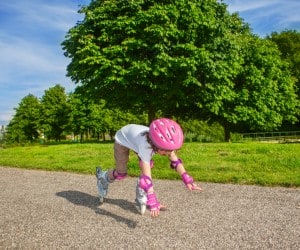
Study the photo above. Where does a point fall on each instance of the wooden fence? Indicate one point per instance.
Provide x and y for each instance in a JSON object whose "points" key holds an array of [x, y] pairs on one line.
{"points": [[287, 136]]}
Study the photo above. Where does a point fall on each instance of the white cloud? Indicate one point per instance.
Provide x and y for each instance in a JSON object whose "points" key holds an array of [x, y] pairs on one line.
{"points": [[266, 16], [28, 67], [57, 15], [32, 60], [5, 117], [242, 5], [32, 49], [17, 53]]}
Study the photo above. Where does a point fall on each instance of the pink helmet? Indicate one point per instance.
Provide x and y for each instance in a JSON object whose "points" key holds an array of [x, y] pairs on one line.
{"points": [[166, 134]]}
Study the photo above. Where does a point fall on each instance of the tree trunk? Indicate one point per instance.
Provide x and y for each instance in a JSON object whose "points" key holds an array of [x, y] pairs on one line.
{"points": [[226, 126], [151, 114]]}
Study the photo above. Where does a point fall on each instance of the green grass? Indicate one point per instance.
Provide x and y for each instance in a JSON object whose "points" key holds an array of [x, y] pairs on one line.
{"points": [[241, 163]]}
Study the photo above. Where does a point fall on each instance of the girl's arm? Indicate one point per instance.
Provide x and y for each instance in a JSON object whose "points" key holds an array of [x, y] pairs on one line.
{"points": [[152, 201], [177, 164]]}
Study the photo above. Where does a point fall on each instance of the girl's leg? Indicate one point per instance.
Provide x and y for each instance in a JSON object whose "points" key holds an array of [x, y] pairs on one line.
{"points": [[121, 155], [105, 177]]}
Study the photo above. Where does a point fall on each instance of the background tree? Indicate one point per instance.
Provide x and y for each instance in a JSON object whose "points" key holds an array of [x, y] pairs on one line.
{"points": [[260, 95], [288, 42], [55, 112], [2, 132], [80, 115], [119, 118], [25, 124], [94, 119], [180, 58], [100, 117], [108, 121]]}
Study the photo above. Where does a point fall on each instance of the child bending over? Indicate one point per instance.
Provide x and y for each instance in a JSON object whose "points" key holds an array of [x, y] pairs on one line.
{"points": [[164, 137]]}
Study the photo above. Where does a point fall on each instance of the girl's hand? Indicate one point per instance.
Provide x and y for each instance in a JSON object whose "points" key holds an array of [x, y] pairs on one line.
{"points": [[193, 186], [189, 182], [153, 204], [155, 213]]}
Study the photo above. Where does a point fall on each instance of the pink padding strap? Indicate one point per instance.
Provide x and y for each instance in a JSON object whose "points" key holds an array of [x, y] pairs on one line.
{"points": [[152, 202], [187, 179], [145, 183], [174, 164], [119, 176]]}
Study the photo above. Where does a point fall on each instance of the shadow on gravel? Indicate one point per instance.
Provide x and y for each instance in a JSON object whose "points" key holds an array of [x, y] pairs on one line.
{"points": [[83, 199]]}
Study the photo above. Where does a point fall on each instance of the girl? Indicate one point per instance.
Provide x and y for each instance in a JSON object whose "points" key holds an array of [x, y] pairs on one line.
{"points": [[164, 136]]}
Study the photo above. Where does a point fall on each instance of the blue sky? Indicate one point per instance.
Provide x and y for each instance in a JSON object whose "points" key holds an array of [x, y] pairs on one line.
{"points": [[31, 31]]}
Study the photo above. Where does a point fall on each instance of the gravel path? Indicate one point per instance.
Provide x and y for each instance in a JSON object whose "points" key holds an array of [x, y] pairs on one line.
{"points": [[55, 210]]}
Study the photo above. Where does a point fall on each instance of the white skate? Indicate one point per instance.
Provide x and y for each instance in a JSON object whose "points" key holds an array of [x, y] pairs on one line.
{"points": [[141, 199], [102, 183]]}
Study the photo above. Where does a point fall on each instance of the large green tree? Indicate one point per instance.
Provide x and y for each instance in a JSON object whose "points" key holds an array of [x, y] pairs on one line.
{"points": [[182, 58], [25, 124], [151, 55]]}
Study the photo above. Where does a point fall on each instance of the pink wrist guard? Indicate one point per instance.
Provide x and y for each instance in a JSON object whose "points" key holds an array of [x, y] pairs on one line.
{"points": [[145, 183], [152, 202], [187, 179], [174, 164]]}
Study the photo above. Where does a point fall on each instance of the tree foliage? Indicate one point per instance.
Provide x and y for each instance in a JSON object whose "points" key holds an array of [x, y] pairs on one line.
{"points": [[150, 55], [189, 59], [55, 111], [93, 118], [25, 123], [288, 42], [58, 114], [263, 91]]}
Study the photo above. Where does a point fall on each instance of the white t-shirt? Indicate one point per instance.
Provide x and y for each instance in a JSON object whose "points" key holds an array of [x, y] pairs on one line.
{"points": [[130, 136]]}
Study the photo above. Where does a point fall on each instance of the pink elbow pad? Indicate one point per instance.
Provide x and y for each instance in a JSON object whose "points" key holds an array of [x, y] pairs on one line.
{"points": [[174, 164]]}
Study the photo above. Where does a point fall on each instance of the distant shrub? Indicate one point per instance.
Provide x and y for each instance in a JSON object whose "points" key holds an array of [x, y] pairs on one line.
{"points": [[201, 131]]}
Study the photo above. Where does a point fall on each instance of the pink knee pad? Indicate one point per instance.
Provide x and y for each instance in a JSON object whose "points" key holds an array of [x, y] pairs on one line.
{"points": [[145, 183], [119, 176], [151, 163]]}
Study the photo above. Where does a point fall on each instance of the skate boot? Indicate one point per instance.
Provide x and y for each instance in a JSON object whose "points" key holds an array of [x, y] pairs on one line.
{"points": [[102, 183], [141, 198]]}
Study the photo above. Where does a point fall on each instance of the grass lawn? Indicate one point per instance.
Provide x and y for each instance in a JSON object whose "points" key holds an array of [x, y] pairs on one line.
{"points": [[243, 163]]}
